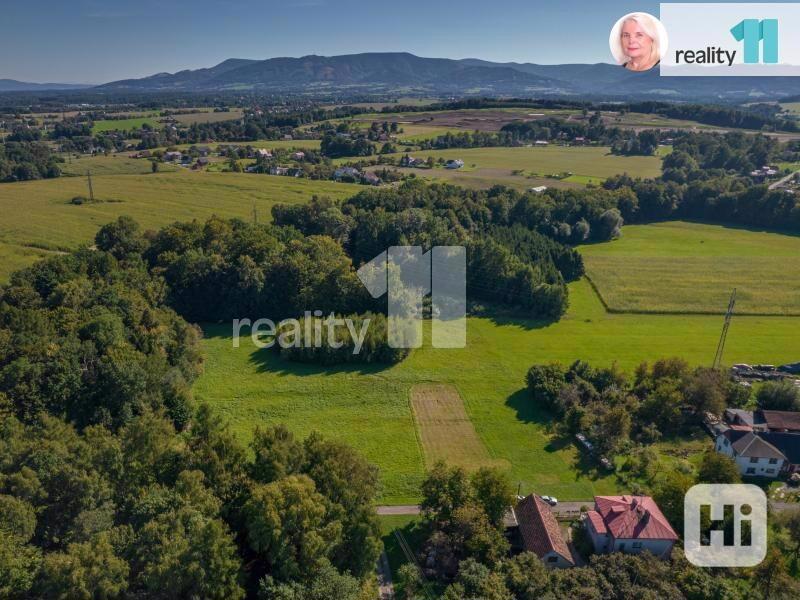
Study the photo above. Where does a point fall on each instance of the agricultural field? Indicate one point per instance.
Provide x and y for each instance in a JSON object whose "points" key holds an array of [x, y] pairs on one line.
{"points": [[523, 168], [683, 267], [209, 116], [370, 406], [50, 222], [113, 164], [124, 124]]}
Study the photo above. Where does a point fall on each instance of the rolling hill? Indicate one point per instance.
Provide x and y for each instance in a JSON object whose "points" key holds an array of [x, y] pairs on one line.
{"points": [[400, 71]]}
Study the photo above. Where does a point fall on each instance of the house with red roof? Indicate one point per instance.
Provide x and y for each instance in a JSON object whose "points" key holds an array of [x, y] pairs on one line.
{"points": [[630, 524], [536, 530]]}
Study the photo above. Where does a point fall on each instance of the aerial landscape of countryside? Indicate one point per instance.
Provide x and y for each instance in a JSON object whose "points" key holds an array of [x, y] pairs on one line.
{"points": [[232, 295]]}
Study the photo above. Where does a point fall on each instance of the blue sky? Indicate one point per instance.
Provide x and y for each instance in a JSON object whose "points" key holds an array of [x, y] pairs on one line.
{"points": [[94, 41]]}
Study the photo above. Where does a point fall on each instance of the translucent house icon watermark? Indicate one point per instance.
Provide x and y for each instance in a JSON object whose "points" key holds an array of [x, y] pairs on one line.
{"points": [[740, 510], [407, 275]]}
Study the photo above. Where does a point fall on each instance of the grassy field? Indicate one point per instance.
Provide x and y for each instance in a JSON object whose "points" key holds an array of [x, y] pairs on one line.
{"points": [[528, 167], [369, 406], [115, 164], [124, 124], [38, 215], [690, 267], [209, 116]]}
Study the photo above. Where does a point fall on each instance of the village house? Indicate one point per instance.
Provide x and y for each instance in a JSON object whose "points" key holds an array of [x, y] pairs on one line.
{"points": [[454, 164], [371, 179], [349, 173], [203, 151], [298, 155], [263, 153], [761, 453], [532, 527], [279, 170], [172, 156], [541, 143], [538, 189], [410, 161], [630, 524]]}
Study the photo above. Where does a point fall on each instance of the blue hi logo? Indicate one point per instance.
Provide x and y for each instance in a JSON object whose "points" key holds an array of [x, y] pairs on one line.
{"points": [[753, 31]]}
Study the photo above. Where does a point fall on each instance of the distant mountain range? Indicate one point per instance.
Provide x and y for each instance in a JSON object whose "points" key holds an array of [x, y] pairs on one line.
{"points": [[12, 85], [401, 72], [404, 72]]}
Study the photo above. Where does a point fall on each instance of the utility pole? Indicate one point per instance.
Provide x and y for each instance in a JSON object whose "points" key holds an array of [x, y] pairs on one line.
{"points": [[91, 191], [725, 326], [255, 215]]}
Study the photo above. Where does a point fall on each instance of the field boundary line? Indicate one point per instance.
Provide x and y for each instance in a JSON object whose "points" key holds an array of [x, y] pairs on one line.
{"points": [[678, 313]]}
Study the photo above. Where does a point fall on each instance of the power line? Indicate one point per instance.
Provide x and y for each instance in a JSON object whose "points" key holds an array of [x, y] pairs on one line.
{"points": [[724, 336]]}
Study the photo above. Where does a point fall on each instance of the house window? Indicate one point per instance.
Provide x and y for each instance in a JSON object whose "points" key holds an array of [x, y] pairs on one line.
{"points": [[622, 546], [751, 471], [773, 461], [637, 545], [753, 459], [770, 471], [552, 559]]}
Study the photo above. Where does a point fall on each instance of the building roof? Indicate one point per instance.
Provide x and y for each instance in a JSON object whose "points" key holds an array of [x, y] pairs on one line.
{"points": [[634, 517], [752, 445], [786, 443], [744, 417], [781, 420], [539, 528], [597, 521]]}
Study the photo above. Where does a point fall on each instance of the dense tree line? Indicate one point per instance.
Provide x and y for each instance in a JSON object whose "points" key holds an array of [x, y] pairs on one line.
{"points": [[341, 345], [113, 486], [514, 266], [22, 161]]}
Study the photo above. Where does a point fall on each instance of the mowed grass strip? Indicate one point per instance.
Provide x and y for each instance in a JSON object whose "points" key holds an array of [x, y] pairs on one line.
{"points": [[446, 431], [681, 267], [114, 164]]}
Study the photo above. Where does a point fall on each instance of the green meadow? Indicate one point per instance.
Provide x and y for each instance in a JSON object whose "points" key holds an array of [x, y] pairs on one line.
{"points": [[532, 166], [124, 124], [113, 164], [690, 267], [369, 406], [38, 216]]}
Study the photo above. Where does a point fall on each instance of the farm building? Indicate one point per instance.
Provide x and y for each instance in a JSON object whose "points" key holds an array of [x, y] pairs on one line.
{"points": [[533, 528], [762, 420], [630, 524]]}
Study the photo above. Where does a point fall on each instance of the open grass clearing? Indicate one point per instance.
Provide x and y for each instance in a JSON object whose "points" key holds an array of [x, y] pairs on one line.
{"points": [[368, 406], [683, 267], [445, 430]]}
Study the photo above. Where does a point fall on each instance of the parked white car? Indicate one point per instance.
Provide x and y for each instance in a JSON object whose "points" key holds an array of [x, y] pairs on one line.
{"points": [[550, 500]]}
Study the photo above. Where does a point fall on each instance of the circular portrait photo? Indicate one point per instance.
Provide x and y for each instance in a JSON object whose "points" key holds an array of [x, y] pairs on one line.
{"points": [[638, 41]]}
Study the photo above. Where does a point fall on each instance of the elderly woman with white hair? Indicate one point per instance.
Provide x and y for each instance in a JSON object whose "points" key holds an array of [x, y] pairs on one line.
{"points": [[636, 43]]}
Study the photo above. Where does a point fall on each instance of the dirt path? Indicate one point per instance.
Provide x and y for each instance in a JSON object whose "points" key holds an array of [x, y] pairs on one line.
{"points": [[385, 587]]}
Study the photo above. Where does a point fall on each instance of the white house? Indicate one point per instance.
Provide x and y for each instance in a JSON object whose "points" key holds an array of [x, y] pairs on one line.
{"points": [[755, 456], [454, 164], [630, 524]]}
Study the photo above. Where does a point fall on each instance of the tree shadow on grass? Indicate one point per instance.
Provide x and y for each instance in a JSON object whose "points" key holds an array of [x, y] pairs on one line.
{"points": [[269, 360], [508, 316]]}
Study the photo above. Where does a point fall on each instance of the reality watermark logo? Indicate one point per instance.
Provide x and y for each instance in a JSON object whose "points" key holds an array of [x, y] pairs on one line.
{"points": [[752, 32], [407, 275], [728, 504]]}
